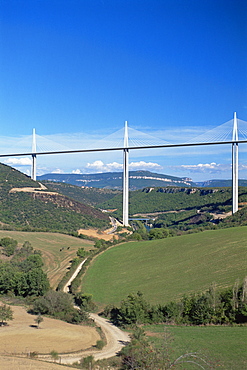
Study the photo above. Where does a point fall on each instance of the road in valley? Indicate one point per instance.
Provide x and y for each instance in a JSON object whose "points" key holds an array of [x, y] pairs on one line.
{"points": [[116, 339]]}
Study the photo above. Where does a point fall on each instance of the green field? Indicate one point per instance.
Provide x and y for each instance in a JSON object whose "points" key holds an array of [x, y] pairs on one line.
{"points": [[57, 250], [166, 269], [223, 346]]}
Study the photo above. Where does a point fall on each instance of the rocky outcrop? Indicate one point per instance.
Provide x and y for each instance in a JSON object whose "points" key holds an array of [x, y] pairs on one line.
{"points": [[172, 190]]}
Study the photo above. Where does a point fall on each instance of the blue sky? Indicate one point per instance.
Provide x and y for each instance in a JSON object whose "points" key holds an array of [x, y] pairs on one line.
{"points": [[75, 70]]}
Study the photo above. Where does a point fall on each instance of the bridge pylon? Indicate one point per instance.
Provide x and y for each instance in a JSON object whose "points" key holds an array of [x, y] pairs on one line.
{"points": [[235, 165], [33, 175], [126, 177]]}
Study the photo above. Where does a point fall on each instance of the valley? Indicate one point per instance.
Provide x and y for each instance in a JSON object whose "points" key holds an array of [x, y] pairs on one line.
{"points": [[194, 244]]}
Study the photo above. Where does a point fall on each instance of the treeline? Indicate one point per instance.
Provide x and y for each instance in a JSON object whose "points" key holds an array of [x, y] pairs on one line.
{"points": [[22, 275], [228, 306]]}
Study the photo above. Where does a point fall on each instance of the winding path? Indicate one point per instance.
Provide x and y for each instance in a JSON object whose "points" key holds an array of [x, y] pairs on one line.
{"points": [[116, 339]]}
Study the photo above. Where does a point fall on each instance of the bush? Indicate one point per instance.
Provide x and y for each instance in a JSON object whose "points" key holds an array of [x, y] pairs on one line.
{"points": [[100, 344]]}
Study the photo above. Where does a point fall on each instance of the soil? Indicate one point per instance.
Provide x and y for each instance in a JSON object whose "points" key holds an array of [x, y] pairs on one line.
{"points": [[96, 234]]}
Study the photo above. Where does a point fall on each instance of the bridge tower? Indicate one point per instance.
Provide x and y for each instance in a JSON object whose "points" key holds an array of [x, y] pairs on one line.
{"points": [[235, 165], [126, 177], [33, 176]]}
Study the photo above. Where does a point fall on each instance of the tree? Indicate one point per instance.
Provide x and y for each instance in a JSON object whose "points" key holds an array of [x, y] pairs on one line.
{"points": [[9, 246], [81, 253], [133, 310], [39, 319], [158, 233], [85, 301], [6, 313], [31, 262], [100, 344]]}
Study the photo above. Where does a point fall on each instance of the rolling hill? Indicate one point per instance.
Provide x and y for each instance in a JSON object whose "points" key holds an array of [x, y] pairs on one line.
{"points": [[220, 183], [166, 269]]}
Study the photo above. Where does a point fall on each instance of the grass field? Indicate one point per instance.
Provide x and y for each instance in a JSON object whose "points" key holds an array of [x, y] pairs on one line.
{"points": [[57, 250], [223, 346], [166, 269]]}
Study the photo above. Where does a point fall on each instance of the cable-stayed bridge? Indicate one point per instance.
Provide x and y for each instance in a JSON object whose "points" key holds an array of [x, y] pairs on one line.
{"points": [[232, 132]]}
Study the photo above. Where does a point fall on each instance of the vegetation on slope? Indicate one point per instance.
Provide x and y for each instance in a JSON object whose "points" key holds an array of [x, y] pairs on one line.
{"points": [[42, 210], [57, 250], [214, 306], [174, 199], [89, 196]]}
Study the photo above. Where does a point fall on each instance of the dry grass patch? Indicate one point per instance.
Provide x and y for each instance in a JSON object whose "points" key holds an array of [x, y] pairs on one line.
{"points": [[22, 337], [14, 363]]}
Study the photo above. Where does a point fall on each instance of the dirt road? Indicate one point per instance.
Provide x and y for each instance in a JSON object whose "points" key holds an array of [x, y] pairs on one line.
{"points": [[116, 340], [66, 287]]}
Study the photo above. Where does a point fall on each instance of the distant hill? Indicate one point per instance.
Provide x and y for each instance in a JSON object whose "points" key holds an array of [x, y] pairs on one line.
{"points": [[220, 183], [113, 180], [137, 180], [26, 205], [173, 201]]}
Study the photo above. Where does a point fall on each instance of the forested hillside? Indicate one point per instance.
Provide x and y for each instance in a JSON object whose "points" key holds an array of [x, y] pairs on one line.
{"points": [[38, 209], [89, 196], [150, 200]]}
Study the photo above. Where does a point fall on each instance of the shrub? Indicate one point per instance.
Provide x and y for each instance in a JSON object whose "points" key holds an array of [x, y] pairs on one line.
{"points": [[100, 344]]}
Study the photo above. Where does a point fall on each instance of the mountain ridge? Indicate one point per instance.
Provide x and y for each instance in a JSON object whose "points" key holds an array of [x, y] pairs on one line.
{"points": [[113, 180], [137, 180]]}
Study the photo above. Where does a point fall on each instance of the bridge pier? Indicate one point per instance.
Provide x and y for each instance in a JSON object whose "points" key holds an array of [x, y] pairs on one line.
{"points": [[126, 177], [33, 171], [235, 166]]}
